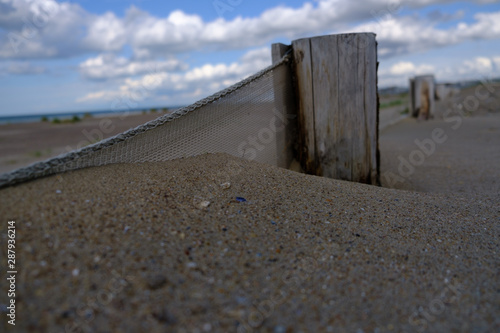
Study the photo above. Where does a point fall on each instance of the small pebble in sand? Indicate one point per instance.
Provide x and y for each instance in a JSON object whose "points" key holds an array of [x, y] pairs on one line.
{"points": [[156, 281], [200, 203], [240, 199], [58, 191], [75, 272], [225, 186]]}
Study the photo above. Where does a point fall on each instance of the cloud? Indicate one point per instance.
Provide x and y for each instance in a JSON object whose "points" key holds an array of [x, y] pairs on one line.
{"points": [[105, 33], [197, 82], [65, 29], [205, 79], [487, 26], [399, 73], [100, 96], [21, 68], [408, 69], [109, 66], [496, 61], [479, 65], [469, 69], [39, 29], [410, 34]]}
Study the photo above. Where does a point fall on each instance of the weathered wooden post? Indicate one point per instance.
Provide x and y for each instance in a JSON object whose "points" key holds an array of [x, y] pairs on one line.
{"points": [[338, 106], [422, 96], [284, 108]]}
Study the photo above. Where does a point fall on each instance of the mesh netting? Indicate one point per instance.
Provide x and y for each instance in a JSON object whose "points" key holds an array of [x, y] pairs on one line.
{"points": [[242, 120]]}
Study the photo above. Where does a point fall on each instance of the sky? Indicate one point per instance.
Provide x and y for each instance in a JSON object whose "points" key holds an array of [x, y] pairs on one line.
{"points": [[60, 56]]}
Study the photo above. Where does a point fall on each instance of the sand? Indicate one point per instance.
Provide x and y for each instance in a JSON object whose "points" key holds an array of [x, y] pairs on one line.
{"points": [[219, 244], [24, 143], [453, 155]]}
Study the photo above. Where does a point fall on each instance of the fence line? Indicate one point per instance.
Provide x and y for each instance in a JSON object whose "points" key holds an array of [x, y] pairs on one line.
{"points": [[317, 103]]}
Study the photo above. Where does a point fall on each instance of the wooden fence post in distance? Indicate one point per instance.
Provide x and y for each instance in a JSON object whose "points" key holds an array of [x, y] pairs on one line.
{"points": [[338, 106], [422, 96]]}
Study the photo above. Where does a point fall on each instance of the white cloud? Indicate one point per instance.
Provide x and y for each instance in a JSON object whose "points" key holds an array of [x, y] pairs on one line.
{"points": [[397, 34], [398, 74], [487, 26], [106, 66], [409, 69], [259, 57], [69, 30], [410, 34], [479, 66], [496, 61], [470, 69], [41, 29], [100, 95], [40, 11], [105, 33], [197, 82]]}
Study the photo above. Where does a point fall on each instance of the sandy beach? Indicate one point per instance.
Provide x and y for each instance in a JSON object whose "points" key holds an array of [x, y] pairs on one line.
{"points": [[215, 243], [24, 143], [454, 155], [219, 244]]}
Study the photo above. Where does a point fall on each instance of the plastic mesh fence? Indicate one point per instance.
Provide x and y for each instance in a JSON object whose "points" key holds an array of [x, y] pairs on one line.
{"points": [[242, 120]]}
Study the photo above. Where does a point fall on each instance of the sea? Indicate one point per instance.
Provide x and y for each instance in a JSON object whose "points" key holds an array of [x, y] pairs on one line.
{"points": [[11, 119]]}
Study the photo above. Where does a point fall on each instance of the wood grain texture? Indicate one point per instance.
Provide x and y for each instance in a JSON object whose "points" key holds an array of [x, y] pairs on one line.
{"points": [[303, 71], [337, 85], [285, 109], [326, 104]]}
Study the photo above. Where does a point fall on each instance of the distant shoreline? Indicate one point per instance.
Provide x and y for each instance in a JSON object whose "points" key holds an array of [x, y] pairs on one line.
{"points": [[34, 118]]}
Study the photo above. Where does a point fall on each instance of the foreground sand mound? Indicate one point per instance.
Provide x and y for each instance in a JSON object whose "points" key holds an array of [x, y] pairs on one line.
{"points": [[215, 243]]}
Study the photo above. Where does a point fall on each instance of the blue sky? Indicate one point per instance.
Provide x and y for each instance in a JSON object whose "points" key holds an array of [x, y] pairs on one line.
{"points": [[58, 56]]}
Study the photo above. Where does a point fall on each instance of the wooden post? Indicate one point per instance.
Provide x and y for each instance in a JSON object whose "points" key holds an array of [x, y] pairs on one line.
{"points": [[284, 109], [413, 110], [338, 106], [422, 96]]}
